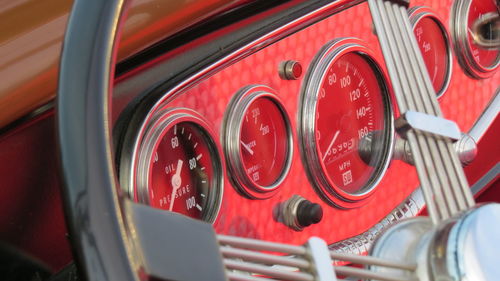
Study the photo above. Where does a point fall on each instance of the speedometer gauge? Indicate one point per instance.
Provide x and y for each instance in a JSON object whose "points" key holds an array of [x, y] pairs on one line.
{"points": [[257, 141], [345, 123], [179, 167]]}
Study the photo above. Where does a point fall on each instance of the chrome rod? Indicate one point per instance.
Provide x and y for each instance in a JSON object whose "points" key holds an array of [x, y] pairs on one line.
{"points": [[267, 270], [367, 274], [260, 245], [258, 257], [369, 260], [441, 176], [458, 183], [419, 88], [383, 30], [453, 193], [235, 276], [413, 87]]}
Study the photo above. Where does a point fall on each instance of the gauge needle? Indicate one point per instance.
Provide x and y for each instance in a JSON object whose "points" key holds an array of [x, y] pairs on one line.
{"points": [[247, 147], [331, 144], [176, 183]]}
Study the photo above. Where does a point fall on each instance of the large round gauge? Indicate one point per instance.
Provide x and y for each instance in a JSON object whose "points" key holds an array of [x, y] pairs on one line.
{"points": [[345, 123], [434, 44], [257, 141], [178, 166], [477, 61]]}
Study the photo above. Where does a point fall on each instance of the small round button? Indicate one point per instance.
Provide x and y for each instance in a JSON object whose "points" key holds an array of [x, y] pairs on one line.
{"points": [[309, 213], [298, 212], [290, 70]]}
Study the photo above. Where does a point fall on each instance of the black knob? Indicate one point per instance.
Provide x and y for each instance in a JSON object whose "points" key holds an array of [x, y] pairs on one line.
{"points": [[308, 213]]}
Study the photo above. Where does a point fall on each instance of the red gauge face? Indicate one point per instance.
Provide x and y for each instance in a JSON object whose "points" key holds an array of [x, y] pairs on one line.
{"points": [[434, 48], [484, 57], [181, 174], [350, 107], [264, 142]]}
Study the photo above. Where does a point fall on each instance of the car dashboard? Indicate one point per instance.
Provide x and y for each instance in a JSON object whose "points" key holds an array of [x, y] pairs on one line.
{"points": [[226, 127]]}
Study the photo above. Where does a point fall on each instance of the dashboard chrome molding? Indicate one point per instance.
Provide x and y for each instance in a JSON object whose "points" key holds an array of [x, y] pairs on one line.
{"points": [[488, 116], [307, 122], [417, 14], [485, 180], [230, 135]]}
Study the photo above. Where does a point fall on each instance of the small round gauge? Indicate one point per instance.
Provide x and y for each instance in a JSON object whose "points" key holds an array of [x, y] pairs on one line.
{"points": [[345, 123], [258, 141], [477, 61], [434, 44], [179, 168]]}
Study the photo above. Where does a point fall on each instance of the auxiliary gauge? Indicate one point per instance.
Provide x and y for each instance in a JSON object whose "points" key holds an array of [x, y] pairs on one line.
{"points": [[346, 123], [434, 43], [178, 167], [257, 141], [477, 61]]}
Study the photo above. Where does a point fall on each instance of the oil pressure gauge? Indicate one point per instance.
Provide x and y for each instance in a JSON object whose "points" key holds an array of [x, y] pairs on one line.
{"points": [[345, 123], [257, 141], [178, 167]]}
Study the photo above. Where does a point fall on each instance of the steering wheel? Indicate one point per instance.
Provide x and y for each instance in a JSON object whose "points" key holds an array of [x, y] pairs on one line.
{"points": [[114, 238]]}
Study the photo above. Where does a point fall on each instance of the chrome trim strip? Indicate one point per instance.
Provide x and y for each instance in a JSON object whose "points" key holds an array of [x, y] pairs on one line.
{"points": [[488, 116], [486, 179]]}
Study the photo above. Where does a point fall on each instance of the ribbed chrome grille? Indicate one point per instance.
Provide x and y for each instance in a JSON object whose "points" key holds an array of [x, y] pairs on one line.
{"points": [[443, 182], [252, 259]]}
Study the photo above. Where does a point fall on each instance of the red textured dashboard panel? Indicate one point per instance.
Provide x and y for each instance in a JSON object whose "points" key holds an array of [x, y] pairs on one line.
{"points": [[463, 102]]}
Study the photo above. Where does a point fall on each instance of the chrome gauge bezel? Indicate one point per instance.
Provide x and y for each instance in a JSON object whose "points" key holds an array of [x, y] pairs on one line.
{"points": [[418, 13], [160, 123], [231, 131], [307, 127], [459, 34]]}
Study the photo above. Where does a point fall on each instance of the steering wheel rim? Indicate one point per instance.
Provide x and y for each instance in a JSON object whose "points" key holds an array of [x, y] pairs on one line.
{"points": [[92, 196], [113, 237]]}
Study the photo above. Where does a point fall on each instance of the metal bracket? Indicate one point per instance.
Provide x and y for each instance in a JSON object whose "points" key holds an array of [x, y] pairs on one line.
{"points": [[429, 124], [465, 147], [319, 256]]}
